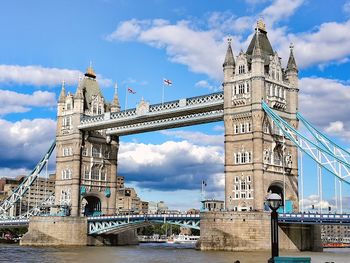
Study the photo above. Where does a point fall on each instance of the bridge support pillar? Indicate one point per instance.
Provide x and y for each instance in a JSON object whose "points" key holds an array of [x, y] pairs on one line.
{"points": [[248, 231], [56, 231], [122, 239]]}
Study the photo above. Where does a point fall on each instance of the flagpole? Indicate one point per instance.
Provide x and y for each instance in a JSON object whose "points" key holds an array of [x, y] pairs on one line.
{"points": [[163, 94], [126, 97]]}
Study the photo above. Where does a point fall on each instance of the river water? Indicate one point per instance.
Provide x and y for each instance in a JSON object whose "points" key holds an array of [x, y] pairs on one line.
{"points": [[152, 253]]}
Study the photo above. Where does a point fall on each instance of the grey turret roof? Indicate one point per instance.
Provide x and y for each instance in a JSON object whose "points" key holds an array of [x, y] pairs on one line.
{"points": [[292, 65], [115, 103], [90, 88], [229, 59], [264, 44], [62, 96], [256, 49]]}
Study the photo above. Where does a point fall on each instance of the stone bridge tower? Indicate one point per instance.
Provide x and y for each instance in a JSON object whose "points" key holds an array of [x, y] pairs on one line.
{"points": [[258, 159], [86, 162]]}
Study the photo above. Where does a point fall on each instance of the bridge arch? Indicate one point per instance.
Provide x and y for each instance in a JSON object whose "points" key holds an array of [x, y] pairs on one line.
{"points": [[91, 205], [276, 187]]}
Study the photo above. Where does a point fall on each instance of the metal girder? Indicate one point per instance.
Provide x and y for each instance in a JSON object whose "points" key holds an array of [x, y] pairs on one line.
{"points": [[20, 191], [200, 109], [321, 154], [314, 219], [103, 224]]}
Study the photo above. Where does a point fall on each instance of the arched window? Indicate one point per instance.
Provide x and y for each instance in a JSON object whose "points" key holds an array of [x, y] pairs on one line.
{"points": [[243, 186], [244, 158], [96, 151], [95, 173], [86, 172], [103, 174], [99, 109]]}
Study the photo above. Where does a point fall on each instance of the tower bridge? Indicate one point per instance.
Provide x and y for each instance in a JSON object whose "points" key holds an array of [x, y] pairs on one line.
{"points": [[259, 108]]}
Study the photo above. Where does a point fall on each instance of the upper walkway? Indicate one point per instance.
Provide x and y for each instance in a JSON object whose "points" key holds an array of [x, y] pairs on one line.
{"points": [[145, 117]]}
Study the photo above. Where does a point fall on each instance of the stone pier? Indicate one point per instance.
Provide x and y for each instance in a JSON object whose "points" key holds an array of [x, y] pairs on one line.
{"points": [[248, 231]]}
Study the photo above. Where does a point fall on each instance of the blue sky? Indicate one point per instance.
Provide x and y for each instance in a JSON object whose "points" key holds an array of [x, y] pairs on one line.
{"points": [[137, 44]]}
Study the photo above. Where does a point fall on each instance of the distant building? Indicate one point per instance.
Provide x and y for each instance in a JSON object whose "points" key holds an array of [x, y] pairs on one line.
{"points": [[213, 205], [335, 234], [193, 211], [41, 189], [127, 201], [161, 207], [144, 207], [152, 207], [120, 182]]}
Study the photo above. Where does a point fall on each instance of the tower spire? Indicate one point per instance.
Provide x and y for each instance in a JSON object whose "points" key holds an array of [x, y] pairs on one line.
{"points": [[115, 103], [90, 71], [257, 49], [62, 96], [292, 65], [229, 59]]}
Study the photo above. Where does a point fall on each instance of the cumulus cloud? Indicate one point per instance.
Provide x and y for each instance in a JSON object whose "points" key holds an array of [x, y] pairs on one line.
{"points": [[172, 165], [206, 85], [25, 142], [198, 138], [203, 49], [14, 102], [332, 115], [40, 76]]}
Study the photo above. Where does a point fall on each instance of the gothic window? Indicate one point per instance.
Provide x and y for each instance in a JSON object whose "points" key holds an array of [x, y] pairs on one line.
{"points": [[249, 195], [103, 174], [241, 88], [242, 128], [249, 157], [244, 158], [86, 172], [94, 109], [65, 196], [236, 187], [67, 122], [238, 158], [266, 127], [69, 106], [249, 127], [99, 109], [236, 127], [236, 179], [243, 195], [66, 174], [248, 88], [236, 90], [95, 173], [243, 186], [241, 69], [248, 178], [237, 195], [249, 187], [96, 151]]}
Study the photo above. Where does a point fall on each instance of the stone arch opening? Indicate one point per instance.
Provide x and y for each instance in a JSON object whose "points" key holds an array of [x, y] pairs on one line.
{"points": [[92, 206], [276, 188]]}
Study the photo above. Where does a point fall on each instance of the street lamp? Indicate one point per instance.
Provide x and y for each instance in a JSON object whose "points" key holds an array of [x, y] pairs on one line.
{"points": [[274, 201]]}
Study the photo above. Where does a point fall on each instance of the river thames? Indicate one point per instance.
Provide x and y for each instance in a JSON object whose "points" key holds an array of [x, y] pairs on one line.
{"points": [[149, 253]]}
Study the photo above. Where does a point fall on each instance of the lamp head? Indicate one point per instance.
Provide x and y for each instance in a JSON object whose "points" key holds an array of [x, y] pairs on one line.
{"points": [[274, 201]]}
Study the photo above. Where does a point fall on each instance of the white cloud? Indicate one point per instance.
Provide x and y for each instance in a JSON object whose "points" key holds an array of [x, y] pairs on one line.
{"points": [[197, 137], [7, 172], [313, 201], [14, 102], [335, 127], [25, 142], [324, 102], [206, 85], [280, 9], [40, 76], [203, 50], [171, 165]]}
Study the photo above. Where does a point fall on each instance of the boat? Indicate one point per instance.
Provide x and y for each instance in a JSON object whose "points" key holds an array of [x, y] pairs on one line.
{"points": [[185, 239]]}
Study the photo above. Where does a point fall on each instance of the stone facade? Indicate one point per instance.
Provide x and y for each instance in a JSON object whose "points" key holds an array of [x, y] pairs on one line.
{"points": [[86, 162], [258, 159], [56, 231], [242, 231]]}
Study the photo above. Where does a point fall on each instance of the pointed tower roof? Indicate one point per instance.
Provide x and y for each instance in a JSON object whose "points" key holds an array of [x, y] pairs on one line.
{"points": [[229, 59], [264, 43], [62, 96], [115, 102], [89, 87], [257, 50], [292, 65]]}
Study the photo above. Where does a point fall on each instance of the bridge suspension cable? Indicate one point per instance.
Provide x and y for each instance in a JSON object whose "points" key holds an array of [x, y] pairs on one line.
{"points": [[336, 164], [22, 189]]}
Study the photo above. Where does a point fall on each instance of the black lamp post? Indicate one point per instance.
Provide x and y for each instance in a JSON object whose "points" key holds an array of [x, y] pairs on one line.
{"points": [[274, 201]]}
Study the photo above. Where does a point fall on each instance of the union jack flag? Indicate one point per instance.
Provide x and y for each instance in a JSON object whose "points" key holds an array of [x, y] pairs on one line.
{"points": [[167, 82], [130, 90]]}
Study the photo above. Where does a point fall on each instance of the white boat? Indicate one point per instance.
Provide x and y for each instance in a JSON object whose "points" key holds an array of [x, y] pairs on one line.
{"points": [[185, 239]]}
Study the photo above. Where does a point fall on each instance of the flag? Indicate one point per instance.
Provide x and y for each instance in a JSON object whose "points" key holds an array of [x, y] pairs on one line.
{"points": [[204, 183], [167, 82], [130, 90]]}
